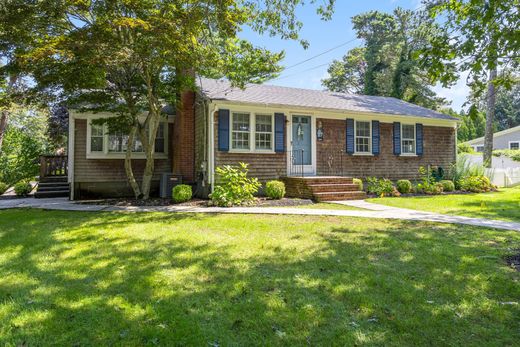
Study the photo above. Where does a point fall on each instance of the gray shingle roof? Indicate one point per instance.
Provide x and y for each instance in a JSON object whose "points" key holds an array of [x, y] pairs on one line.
{"points": [[275, 95]]}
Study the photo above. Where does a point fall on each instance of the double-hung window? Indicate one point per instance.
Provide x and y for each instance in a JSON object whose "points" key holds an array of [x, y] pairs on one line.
{"points": [[240, 131], [363, 137], [106, 144], [263, 132], [251, 132], [514, 145], [408, 139]]}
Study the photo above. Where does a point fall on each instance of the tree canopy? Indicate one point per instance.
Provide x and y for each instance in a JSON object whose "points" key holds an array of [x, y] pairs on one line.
{"points": [[387, 64], [133, 56]]}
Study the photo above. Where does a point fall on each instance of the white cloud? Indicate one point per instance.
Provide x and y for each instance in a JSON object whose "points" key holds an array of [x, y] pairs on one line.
{"points": [[457, 94]]}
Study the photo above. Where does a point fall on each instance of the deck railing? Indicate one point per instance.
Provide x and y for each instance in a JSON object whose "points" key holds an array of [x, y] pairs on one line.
{"points": [[53, 165]]}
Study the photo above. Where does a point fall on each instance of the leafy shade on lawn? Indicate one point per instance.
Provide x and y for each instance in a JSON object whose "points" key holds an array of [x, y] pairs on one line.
{"points": [[71, 278], [502, 205]]}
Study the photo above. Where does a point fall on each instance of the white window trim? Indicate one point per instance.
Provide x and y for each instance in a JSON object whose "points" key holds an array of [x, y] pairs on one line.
{"points": [[252, 133], [475, 148], [414, 153], [106, 154], [510, 142], [369, 138]]}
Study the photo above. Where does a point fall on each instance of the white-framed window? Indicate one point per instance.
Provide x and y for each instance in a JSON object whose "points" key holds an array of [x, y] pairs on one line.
{"points": [[408, 138], [363, 132], [103, 144], [514, 145], [264, 132], [251, 132]]}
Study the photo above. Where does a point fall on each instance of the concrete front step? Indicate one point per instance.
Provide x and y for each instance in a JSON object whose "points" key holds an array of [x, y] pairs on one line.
{"points": [[52, 194], [333, 187], [327, 180], [53, 187], [337, 196]]}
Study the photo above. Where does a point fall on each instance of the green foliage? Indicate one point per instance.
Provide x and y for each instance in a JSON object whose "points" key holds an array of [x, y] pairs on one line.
{"points": [[182, 193], [464, 168], [3, 187], [404, 186], [275, 189], [447, 185], [430, 188], [387, 64], [22, 188], [472, 126], [234, 187], [513, 154], [476, 184], [507, 107], [380, 187], [463, 148], [359, 182]]}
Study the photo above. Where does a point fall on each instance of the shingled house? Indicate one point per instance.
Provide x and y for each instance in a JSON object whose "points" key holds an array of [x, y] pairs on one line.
{"points": [[321, 138]]}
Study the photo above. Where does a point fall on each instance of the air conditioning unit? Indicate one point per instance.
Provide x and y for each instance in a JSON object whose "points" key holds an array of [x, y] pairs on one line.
{"points": [[168, 181]]}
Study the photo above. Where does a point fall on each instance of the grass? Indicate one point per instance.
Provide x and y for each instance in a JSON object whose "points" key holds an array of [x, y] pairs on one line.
{"points": [[501, 205], [78, 278]]}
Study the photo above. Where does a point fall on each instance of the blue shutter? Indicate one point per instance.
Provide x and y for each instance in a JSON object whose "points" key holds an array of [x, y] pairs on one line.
{"points": [[279, 132], [375, 138], [397, 138], [419, 139], [223, 130], [350, 136]]}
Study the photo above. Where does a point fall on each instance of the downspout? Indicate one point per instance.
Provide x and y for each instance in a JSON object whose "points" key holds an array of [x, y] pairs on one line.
{"points": [[70, 155], [211, 146]]}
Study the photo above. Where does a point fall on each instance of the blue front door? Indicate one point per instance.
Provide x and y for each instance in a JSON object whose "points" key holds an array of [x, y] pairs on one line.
{"points": [[301, 140]]}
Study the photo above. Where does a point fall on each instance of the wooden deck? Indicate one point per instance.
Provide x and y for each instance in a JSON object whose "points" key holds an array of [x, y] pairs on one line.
{"points": [[322, 188]]}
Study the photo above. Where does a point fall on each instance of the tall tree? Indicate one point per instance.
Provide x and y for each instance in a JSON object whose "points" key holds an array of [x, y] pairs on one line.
{"points": [[133, 56], [387, 64], [507, 108], [483, 37]]}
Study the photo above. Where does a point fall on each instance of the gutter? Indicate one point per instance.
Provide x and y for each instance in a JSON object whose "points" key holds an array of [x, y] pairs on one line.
{"points": [[211, 144], [70, 154]]}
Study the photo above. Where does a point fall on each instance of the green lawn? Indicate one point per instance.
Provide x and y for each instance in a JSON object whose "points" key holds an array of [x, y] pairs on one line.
{"points": [[80, 279], [502, 205]]}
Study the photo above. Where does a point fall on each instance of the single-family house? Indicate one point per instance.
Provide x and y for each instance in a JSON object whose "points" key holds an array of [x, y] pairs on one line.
{"points": [[505, 139], [280, 132]]}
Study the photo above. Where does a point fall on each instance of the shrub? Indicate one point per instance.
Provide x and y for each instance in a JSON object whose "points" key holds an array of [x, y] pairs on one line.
{"points": [[181, 193], [464, 148], [476, 184], [359, 182], [380, 187], [447, 185], [430, 188], [3, 188], [234, 187], [404, 186], [464, 168], [22, 188], [275, 189], [513, 154]]}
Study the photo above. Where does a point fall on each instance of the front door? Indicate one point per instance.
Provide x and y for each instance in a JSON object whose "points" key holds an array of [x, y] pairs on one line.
{"points": [[301, 145]]}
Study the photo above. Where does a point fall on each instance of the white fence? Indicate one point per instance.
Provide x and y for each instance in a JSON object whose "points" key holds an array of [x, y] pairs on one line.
{"points": [[505, 172]]}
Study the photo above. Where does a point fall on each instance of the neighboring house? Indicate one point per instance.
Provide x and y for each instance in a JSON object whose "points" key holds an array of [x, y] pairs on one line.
{"points": [[278, 131], [505, 139]]}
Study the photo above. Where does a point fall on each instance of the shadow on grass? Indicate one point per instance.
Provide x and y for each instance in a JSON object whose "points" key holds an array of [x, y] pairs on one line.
{"points": [[93, 279]]}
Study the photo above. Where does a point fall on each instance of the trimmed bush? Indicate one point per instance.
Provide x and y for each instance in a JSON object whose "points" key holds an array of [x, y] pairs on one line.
{"points": [[234, 187], [275, 189], [3, 188], [22, 188], [182, 193], [476, 184], [430, 188], [380, 187], [359, 182], [404, 186], [447, 185]]}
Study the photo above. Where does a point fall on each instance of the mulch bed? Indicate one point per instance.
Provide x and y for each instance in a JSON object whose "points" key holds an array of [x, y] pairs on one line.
{"points": [[192, 203], [514, 261]]}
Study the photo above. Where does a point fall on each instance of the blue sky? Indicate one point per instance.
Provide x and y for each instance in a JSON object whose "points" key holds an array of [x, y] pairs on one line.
{"points": [[323, 35]]}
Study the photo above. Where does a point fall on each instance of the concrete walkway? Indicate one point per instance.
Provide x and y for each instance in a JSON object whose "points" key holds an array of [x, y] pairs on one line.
{"points": [[371, 210]]}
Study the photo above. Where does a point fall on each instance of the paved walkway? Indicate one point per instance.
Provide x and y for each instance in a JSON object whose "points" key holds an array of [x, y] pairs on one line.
{"points": [[371, 210]]}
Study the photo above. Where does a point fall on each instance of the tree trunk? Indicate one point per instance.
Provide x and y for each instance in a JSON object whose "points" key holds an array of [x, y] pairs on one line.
{"points": [[3, 126], [490, 115], [150, 152], [128, 164]]}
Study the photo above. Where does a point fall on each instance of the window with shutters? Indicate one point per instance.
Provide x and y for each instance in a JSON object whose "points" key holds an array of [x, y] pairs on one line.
{"points": [[252, 132], [363, 135], [408, 138]]}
